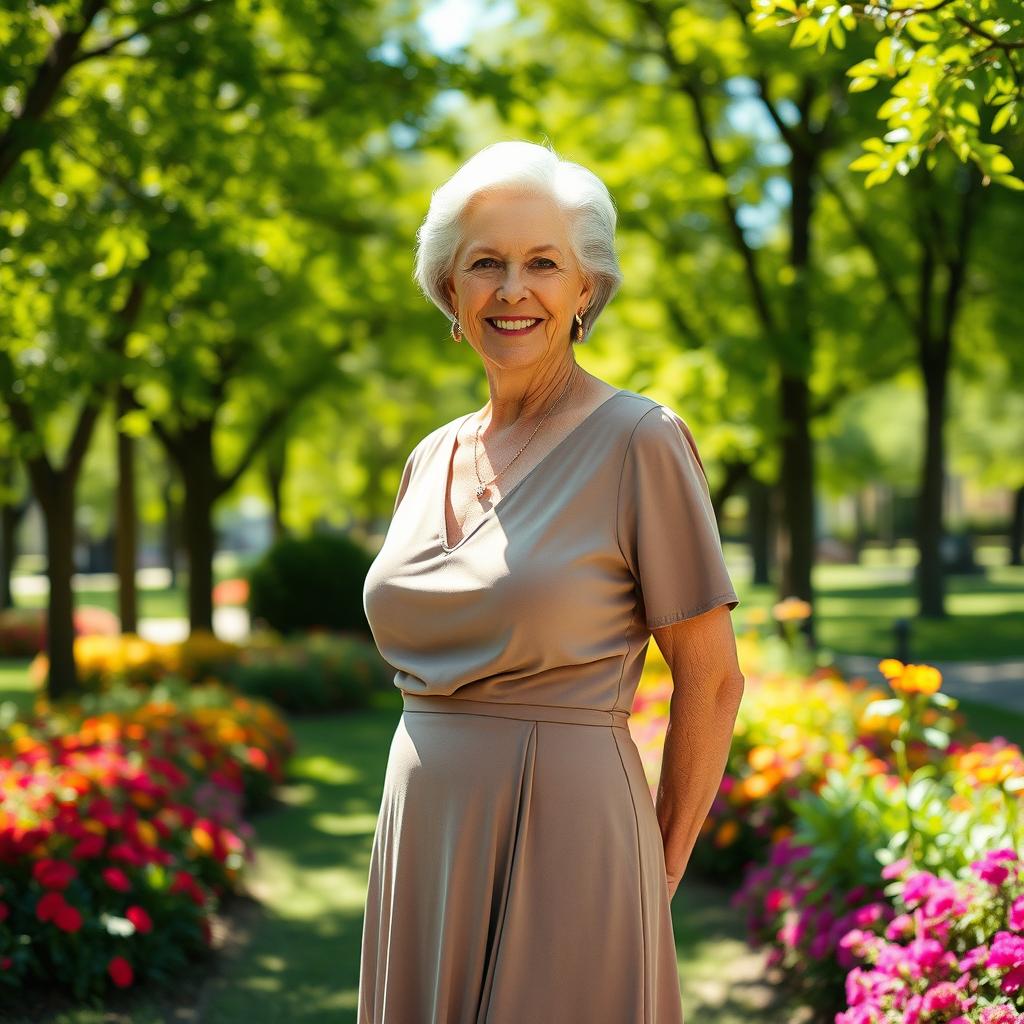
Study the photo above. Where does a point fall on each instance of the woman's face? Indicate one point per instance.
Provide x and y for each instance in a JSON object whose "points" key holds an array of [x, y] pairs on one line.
{"points": [[516, 286]]}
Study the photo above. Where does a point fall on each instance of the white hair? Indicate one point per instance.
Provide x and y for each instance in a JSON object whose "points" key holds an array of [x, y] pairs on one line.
{"points": [[533, 169]]}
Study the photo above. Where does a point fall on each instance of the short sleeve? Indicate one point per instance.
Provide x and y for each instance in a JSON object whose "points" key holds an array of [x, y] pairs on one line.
{"points": [[403, 484], [666, 524]]}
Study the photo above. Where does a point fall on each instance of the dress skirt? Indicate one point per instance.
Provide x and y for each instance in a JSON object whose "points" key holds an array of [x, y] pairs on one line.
{"points": [[517, 872]]}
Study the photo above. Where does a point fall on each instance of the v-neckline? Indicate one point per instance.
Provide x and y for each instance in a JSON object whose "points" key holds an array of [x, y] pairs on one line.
{"points": [[449, 447]]}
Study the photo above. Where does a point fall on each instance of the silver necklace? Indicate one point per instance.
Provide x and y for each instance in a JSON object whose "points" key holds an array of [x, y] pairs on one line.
{"points": [[483, 485]]}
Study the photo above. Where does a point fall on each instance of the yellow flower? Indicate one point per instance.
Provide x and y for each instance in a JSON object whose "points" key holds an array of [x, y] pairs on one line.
{"points": [[890, 668]]}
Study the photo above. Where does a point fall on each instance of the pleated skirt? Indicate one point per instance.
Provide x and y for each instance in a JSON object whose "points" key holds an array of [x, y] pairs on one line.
{"points": [[517, 873]]}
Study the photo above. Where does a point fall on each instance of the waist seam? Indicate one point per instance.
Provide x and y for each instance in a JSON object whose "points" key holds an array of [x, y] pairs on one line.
{"points": [[447, 704]]}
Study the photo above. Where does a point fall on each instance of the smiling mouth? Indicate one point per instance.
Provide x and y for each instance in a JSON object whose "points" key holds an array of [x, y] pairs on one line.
{"points": [[513, 325]]}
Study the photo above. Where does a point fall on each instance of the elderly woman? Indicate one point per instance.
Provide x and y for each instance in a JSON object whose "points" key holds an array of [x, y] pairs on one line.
{"points": [[520, 871]]}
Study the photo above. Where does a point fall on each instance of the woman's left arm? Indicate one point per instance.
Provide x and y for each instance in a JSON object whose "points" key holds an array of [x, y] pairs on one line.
{"points": [[707, 690]]}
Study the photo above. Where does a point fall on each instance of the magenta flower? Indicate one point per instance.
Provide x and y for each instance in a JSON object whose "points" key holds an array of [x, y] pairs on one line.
{"points": [[896, 868], [943, 997], [991, 868], [1017, 914], [1008, 951]]}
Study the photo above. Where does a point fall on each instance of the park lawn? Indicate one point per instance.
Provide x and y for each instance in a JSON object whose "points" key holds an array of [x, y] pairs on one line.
{"points": [[300, 957], [857, 606]]}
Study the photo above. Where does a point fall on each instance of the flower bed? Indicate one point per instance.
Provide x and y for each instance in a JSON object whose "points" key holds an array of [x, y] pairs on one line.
{"points": [[122, 827], [105, 662], [23, 630], [831, 791], [313, 671]]}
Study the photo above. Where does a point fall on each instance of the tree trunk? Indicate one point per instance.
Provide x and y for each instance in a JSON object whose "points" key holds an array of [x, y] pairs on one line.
{"points": [[795, 359], [11, 515], [275, 469], [59, 509], [859, 527], [930, 570], [126, 535], [760, 526], [1017, 527], [199, 475], [797, 496], [170, 530]]}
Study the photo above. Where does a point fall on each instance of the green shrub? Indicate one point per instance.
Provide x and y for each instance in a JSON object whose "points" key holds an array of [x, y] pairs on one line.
{"points": [[314, 672], [309, 583]]}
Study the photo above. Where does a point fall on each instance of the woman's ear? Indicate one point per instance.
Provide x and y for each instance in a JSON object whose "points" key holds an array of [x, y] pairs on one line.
{"points": [[449, 294]]}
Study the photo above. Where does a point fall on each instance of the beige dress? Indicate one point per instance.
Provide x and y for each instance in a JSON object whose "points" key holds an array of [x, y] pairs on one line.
{"points": [[517, 872]]}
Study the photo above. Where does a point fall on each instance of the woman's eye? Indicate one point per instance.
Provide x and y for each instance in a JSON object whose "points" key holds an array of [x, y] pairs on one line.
{"points": [[543, 262]]}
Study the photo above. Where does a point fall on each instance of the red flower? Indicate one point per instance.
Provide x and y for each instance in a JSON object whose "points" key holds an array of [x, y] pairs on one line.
{"points": [[139, 918], [53, 874], [4, 912], [48, 905], [68, 918], [88, 846], [120, 971], [5, 963], [257, 758], [116, 879], [125, 852]]}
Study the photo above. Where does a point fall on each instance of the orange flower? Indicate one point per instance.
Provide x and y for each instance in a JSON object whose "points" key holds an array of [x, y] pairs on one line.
{"points": [[910, 678], [202, 838], [791, 608], [726, 833]]}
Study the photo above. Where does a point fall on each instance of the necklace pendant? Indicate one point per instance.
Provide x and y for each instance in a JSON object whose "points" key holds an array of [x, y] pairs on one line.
{"points": [[480, 490]]}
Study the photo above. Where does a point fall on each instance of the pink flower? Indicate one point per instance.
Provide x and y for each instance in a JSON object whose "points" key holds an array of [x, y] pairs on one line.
{"points": [[900, 927], [943, 997], [1008, 951], [918, 887], [896, 868], [991, 868], [864, 916], [1016, 919]]}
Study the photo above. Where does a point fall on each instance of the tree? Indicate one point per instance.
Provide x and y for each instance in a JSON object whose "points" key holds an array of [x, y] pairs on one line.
{"points": [[954, 70]]}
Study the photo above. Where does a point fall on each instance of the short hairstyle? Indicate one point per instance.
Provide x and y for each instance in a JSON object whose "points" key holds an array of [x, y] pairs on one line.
{"points": [[534, 169]]}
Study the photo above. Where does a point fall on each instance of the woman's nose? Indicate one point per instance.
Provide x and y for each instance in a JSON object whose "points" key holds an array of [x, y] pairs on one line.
{"points": [[512, 287]]}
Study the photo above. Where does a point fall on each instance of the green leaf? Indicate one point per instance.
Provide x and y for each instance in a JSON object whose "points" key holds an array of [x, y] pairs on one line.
{"points": [[806, 34], [866, 162], [863, 84]]}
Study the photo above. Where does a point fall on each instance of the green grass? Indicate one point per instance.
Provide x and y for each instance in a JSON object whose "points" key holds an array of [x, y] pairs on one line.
{"points": [[857, 606]]}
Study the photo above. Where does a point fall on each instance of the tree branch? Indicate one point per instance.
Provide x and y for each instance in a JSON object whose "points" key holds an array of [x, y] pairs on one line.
{"points": [[142, 29]]}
